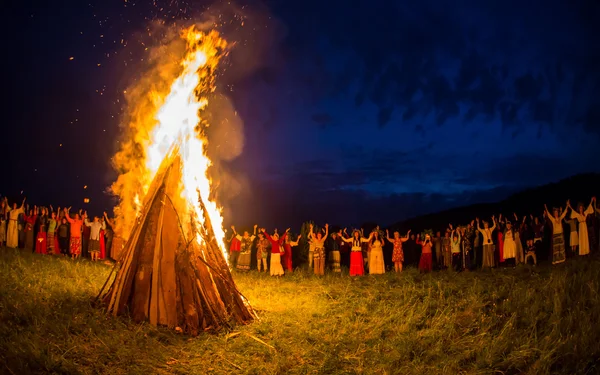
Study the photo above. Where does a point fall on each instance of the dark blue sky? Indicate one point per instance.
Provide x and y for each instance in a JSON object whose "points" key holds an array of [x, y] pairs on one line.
{"points": [[350, 112]]}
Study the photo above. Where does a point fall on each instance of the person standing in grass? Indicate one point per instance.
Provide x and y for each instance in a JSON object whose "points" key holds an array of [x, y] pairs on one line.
{"points": [[262, 251], [276, 247], [94, 242], [581, 216], [234, 249], [376, 261], [558, 241], [455, 248], [41, 238], [319, 252], [63, 236], [287, 247], [50, 239], [29, 225], [488, 260], [356, 258], [75, 233], [336, 257], [426, 261], [397, 253], [245, 257]]}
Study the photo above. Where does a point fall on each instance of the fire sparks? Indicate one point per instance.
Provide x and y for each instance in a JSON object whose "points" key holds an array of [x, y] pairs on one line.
{"points": [[169, 118]]}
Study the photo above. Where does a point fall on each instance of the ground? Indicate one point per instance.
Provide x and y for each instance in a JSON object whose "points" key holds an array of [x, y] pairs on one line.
{"points": [[524, 320]]}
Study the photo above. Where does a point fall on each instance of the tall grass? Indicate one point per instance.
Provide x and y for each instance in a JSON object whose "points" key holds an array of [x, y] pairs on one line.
{"points": [[525, 320]]}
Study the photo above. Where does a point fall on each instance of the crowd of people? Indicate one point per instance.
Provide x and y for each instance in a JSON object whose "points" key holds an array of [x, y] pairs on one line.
{"points": [[499, 242], [44, 230]]}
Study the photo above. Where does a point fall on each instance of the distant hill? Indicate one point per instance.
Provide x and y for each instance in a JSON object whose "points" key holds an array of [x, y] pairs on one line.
{"points": [[579, 188]]}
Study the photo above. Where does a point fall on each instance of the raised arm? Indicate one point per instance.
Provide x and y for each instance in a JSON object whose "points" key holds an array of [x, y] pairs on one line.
{"points": [[67, 216], [404, 239], [564, 213], [326, 232], [493, 226]]}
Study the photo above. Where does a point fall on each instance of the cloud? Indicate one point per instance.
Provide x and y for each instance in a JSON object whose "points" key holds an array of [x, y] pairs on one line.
{"points": [[439, 56]]}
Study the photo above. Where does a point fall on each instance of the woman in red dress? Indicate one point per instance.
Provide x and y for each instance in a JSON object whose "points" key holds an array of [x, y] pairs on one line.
{"points": [[398, 253], [426, 262], [501, 227], [357, 267]]}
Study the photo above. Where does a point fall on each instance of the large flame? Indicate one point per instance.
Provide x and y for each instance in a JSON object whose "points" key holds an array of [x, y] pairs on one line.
{"points": [[169, 118]]}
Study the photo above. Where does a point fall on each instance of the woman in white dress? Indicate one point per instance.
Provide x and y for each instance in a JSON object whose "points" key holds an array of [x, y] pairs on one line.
{"points": [[581, 216], [510, 244], [376, 263], [12, 233]]}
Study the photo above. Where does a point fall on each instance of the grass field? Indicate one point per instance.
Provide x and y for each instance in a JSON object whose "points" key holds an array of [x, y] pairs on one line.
{"points": [[524, 320]]}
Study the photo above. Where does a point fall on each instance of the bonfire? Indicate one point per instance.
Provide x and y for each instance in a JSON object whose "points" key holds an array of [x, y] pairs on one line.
{"points": [[173, 269]]}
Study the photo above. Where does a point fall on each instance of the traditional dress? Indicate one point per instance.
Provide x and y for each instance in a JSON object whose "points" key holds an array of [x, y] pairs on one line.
{"points": [[75, 232], [510, 246], [262, 251], [357, 267], [584, 241], [245, 254], [488, 246], [336, 257], [426, 263], [319, 255], [286, 258], [376, 262], [276, 246], [41, 238], [558, 240], [51, 240]]}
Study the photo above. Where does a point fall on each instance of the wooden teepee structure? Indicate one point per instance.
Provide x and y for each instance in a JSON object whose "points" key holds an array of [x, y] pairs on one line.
{"points": [[168, 279]]}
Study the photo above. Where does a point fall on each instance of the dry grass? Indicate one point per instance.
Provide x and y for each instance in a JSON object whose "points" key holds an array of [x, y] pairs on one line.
{"points": [[524, 320]]}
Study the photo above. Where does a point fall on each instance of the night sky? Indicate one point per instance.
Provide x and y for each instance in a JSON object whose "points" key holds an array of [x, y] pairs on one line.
{"points": [[352, 111]]}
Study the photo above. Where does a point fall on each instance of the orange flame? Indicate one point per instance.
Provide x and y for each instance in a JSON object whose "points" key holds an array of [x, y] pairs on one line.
{"points": [[166, 113]]}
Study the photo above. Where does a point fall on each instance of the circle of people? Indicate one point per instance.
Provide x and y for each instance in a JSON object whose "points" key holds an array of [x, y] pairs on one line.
{"points": [[484, 244], [45, 231]]}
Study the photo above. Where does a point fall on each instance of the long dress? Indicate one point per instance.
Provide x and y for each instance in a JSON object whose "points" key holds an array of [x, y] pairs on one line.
{"points": [[276, 268], [336, 256], [510, 246], [501, 256], [488, 260], [558, 240], [584, 241], [376, 262], [51, 239], [41, 243], [357, 266], [245, 257]]}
